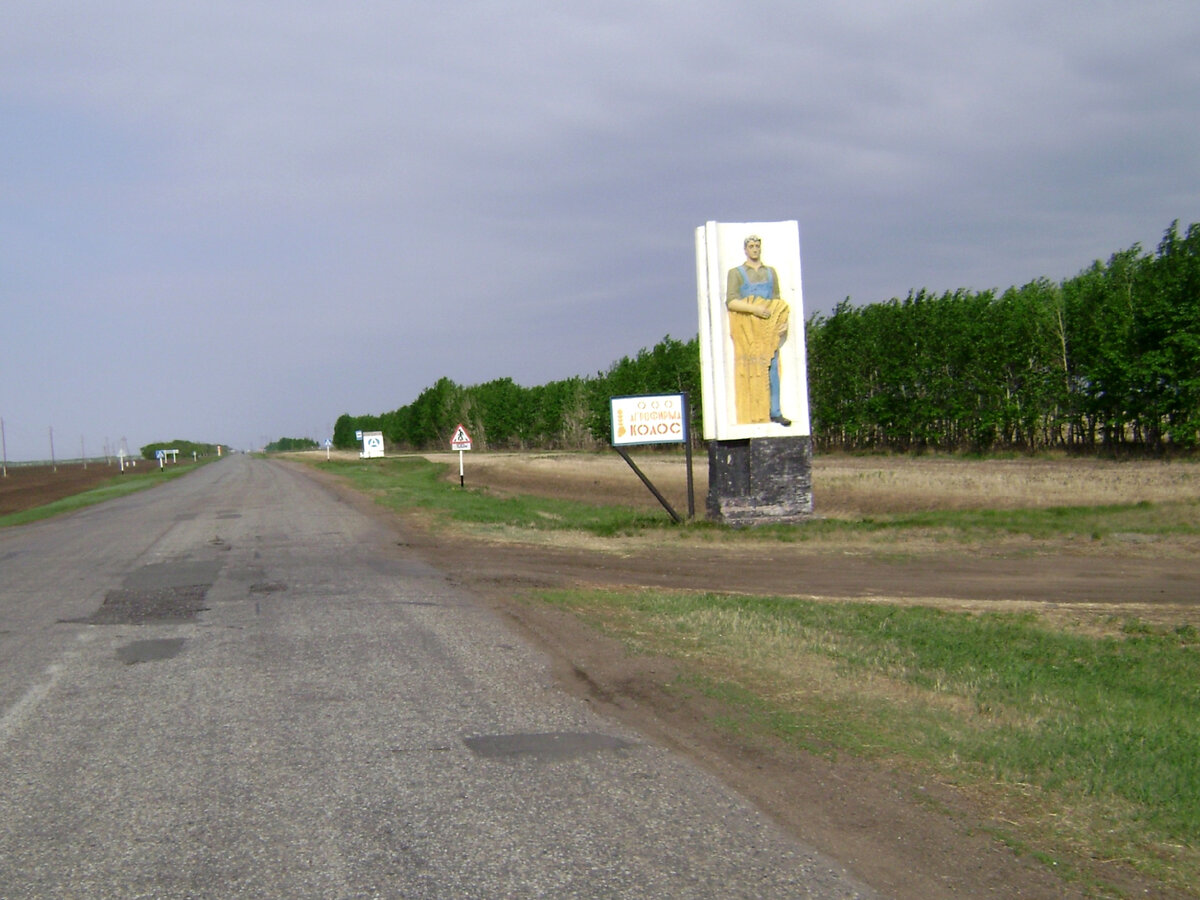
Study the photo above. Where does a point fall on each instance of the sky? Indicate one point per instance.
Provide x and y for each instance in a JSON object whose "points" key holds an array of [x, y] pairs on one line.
{"points": [[233, 221]]}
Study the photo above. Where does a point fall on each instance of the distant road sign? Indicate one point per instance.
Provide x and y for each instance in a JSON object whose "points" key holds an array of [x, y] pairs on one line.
{"points": [[461, 440]]}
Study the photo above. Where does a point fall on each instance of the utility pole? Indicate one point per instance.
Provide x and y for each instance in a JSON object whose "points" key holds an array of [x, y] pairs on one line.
{"points": [[53, 461], [3, 447]]}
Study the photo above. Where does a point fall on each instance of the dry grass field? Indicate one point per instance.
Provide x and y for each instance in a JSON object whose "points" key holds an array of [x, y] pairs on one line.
{"points": [[853, 486]]}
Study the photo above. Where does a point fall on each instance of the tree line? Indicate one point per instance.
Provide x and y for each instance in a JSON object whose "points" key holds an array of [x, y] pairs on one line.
{"points": [[1108, 360], [291, 445], [503, 415], [185, 448]]}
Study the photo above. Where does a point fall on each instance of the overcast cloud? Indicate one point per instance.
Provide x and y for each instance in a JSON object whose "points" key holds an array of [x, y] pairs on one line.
{"points": [[234, 221]]}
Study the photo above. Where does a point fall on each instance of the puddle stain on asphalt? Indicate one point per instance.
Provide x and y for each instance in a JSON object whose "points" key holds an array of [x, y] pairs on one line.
{"points": [[150, 651], [544, 745]]}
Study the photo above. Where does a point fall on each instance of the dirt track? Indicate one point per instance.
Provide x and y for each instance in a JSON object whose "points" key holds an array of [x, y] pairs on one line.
{"points": [[1140, 574]]}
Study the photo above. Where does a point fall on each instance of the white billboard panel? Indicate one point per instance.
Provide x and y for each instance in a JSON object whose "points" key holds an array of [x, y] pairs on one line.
{"points": [[754, 378], [648, 419]]}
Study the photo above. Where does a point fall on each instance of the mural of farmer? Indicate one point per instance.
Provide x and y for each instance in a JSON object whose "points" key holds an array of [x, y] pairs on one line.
{"points": [[758, 324]]}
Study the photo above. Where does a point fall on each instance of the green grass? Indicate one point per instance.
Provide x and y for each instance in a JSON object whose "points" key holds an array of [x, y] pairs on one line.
{"points": [[414, 482], [120, 485], [1041, 523], [1180, 518], [1081, 739], [1085, 743]]}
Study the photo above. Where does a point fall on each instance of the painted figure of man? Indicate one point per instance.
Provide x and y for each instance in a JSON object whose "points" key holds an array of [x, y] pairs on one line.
{"points": [[758, 324]]}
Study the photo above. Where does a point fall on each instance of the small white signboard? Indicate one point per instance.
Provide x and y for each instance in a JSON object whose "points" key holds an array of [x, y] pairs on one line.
{"points": [[372, 445], [461, 440], [648, 419]]}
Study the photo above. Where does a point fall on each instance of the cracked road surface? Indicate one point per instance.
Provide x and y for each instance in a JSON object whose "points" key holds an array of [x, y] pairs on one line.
{"points": [[238, 685]]}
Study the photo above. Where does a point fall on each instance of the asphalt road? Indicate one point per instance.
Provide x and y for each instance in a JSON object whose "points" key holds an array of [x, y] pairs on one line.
{"points": [[237, 685]]}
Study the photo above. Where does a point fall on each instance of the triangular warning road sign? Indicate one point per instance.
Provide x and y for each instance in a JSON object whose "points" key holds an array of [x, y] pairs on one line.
{"points": [[461, 438]]}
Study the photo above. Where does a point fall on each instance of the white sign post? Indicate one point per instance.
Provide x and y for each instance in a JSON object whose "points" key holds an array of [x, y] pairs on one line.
{"points": [[460, 441], [653, 419]]}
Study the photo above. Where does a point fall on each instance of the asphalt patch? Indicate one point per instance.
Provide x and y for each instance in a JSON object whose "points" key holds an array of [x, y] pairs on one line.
{"points": [[149, 606]]}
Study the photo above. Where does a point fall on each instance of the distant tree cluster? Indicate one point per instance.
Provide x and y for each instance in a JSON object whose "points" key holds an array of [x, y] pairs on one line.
{"points": [[1108, 360], [290, 445], [185, 448], [503, 415]]}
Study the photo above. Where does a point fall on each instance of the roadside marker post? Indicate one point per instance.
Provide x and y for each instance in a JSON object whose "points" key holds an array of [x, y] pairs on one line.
{"points": [[460, 441]]}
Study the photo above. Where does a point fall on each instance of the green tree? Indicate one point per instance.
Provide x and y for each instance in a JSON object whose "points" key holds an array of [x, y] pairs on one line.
{"points": [[186, 449], [343, 432], [291, 445]]}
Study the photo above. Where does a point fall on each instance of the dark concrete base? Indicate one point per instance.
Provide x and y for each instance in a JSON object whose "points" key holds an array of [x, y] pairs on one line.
{"points": [[760, 481]]}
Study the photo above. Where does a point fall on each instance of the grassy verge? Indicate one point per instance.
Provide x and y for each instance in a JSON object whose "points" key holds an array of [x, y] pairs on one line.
{"points": [[414, 482], [1080, 739], [1171, 518], [118, 486], [1079, 734]]}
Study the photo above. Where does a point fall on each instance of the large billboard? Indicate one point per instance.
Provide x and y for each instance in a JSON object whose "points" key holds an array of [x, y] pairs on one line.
{"points": [[754, 378]]}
